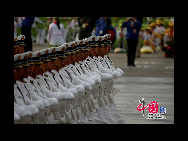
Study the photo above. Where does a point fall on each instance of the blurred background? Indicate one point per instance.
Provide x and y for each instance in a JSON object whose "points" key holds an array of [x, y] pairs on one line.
{"points": [[82, 27]]}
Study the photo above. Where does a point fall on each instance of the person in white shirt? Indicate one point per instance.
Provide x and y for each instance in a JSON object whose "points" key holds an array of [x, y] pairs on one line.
{"points": [[147, 38], [159, 30], [55, 35], [75, 27]]}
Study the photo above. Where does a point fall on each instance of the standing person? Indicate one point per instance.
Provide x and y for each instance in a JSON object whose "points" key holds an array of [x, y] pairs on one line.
{"points": [[75, 27], [55, 35], [147, 37], [69, 30], [100, 27], [64, 20], [133, 28], [26, 30], [86, 25], [153, 36], [110, 30], [159, 30], [40, 25], [169, 40]]}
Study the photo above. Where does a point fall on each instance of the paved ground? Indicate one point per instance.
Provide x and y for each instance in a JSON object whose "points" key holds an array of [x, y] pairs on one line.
{"points": [[151, 79], [39, 47]]}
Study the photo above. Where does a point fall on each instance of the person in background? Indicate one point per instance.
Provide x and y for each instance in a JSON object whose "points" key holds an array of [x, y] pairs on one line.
{"points": [[110, 30], [26, 30], [55, 35], [146, 47], [154, 39], [159, 32], [69, 37], [75, 27], [147, 36], [64, 20], [100, 27], [40, 25], [133, 28], [86, 25], [169, 33], [168, 38]]}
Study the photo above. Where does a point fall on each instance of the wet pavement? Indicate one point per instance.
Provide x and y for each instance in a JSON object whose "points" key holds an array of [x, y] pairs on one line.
{"points": [[151, 79], [133, 89]]}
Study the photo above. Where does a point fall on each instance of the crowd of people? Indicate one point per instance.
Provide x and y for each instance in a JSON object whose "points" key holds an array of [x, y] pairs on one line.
{"points": [[68, 28], [36, 29], [155, 36], [140, 36], [68, 84]]}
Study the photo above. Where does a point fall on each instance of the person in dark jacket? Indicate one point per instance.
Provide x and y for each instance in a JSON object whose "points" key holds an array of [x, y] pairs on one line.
{"points": [[133, 27], [86, 25], [110, 30], [100, 27], [26, 30]]}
